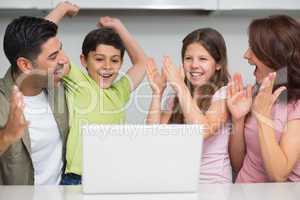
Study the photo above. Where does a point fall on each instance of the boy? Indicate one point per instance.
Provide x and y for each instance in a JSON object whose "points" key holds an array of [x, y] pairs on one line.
{"points": [[95, 97]]}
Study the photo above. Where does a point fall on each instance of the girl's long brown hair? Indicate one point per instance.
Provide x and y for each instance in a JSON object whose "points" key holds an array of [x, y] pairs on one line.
{"points": [[214, 43]]}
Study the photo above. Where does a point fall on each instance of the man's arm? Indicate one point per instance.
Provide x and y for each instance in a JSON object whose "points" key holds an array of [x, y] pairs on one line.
{"points": [[136, 53], [61, 10]]}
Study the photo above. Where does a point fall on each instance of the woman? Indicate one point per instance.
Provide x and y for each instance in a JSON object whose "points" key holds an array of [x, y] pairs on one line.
{"points": [[265, 142]]}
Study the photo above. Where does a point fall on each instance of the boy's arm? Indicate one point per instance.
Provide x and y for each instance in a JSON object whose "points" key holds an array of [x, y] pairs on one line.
{"points": [[136, 53], [61, 10]]}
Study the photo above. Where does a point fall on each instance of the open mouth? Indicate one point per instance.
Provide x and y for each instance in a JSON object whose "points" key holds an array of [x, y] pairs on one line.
{"points": [[59, 71], [196, 74], [106, 75]]}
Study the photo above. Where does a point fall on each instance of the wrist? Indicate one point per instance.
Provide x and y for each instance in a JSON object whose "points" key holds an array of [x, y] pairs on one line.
{"points": [[4, 140], [119, 28], [156, 95], [181, 89], [238, 120]]}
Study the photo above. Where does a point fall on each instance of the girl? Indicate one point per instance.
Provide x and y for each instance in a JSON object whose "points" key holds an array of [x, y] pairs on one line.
{"points": [[200, 98], [265, 144]]}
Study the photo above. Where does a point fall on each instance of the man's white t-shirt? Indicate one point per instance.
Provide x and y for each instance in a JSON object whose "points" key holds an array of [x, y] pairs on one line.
{"points": [[46, 143]]}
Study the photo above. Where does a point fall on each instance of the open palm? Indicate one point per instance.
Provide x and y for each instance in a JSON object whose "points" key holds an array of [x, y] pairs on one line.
{"points": [[239, 100], [156, 79]]}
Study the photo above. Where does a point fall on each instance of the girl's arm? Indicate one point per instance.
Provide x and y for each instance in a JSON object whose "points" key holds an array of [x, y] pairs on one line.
{"points": [[158, 83], [192, 114]]}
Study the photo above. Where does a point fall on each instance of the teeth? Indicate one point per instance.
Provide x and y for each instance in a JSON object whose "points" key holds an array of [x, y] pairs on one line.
{"points": [[106, 75], [196, 74]]}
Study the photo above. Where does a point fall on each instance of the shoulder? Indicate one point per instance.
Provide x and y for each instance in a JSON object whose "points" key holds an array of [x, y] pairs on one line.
{"points": [[220, 94]]}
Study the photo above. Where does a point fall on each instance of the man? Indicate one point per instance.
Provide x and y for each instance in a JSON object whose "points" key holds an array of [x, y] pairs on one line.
{"points": [[33, 111]]}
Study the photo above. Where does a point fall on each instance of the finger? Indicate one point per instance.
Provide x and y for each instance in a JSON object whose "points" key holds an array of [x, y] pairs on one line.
{"points": [[166, 64], [14, 96], [272, 78], [165, 71], [240, 85], [266, 83], [233, 83], [236, 83], [149, 71], [249, 90], [277, 93], [182, 73], [239, 95], [228, 89]]}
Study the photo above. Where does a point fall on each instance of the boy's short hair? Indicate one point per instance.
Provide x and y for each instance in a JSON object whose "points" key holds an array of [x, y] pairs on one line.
{"points": [[24, 37], [104, 36]]}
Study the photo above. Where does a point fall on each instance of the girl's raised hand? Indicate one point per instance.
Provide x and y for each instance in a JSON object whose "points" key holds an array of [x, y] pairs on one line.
{"points": [[156, 79], [174, 75]]}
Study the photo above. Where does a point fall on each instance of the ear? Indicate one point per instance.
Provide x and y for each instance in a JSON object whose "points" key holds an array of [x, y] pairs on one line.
{"points": [[83, 61], [24, 64], [218, 67]]}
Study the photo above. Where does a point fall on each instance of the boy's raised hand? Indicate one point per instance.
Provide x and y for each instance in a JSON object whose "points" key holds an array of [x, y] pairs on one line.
{"points": [[63, 9], [158, 81], [110, 22], [68, 8]]}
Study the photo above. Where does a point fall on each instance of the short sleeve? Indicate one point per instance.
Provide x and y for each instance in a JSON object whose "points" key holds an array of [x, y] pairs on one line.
{"points": [[168, 102], [75, 78], [123, 88], [220, 94]]}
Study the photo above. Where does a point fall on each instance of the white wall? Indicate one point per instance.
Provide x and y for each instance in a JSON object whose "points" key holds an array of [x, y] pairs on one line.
{"points": [[159, 34]]}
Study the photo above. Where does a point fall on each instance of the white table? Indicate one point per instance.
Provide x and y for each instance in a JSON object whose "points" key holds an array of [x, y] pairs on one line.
{"points": [[266, 191]]}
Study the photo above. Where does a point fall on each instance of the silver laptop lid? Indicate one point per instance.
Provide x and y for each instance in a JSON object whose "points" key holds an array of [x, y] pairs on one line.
{"points": [[141, 158]]}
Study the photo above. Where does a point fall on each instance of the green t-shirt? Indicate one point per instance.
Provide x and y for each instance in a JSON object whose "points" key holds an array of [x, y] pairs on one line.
{"points": [[89, 104]]}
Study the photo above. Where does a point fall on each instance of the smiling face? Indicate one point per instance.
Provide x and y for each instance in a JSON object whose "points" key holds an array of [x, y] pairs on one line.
{"points": [[261, 70], [103, 64], [51, 64], [198, 64]]}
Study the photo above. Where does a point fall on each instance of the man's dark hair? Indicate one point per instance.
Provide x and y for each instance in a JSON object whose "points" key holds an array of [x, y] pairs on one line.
{"points": [[24, 37], [104, 36]]}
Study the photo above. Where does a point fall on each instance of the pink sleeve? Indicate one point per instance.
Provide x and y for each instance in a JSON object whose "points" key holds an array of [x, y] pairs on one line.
{"points": [[220, 94], [294, 110], [169, 103]]}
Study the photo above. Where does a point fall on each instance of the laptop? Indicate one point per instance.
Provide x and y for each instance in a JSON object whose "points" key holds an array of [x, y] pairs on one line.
{"points": [[141, 158]]}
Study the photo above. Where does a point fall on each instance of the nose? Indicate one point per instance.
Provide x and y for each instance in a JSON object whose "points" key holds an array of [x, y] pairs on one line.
{"points": [[63, 59], [247, 54], [107, 65], [195, 64]]}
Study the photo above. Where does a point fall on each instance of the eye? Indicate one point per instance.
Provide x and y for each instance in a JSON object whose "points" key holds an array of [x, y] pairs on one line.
{"points": [[99, 59], [188, 58], [115, 61], [53, 58], [202, 58]]}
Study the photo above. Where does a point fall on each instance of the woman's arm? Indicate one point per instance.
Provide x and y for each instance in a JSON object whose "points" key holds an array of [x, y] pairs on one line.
{"points": [[237, 146], [279, 159], [239, 101]]}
